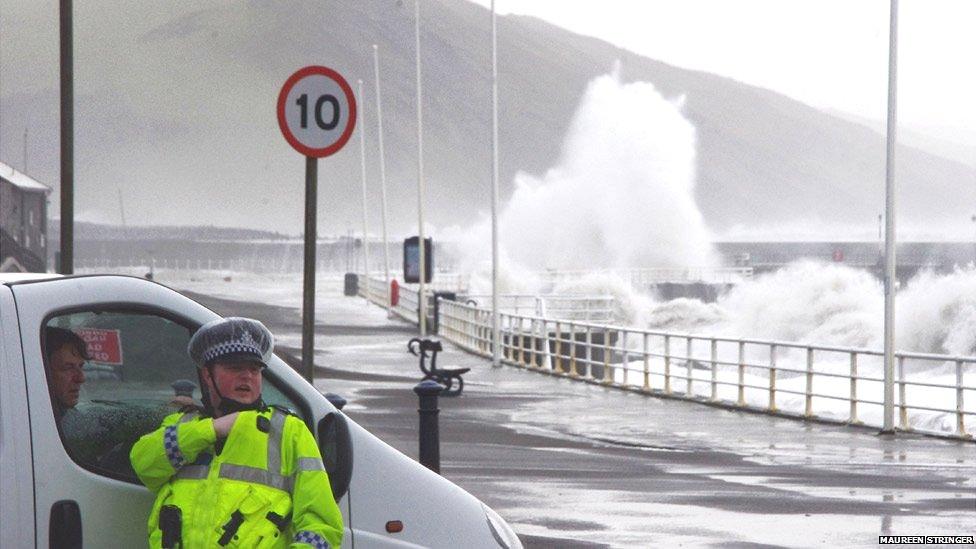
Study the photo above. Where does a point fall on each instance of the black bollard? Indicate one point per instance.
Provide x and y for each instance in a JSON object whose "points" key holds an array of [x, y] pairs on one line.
{"points": [[183, 387], [430, 444], [335, 400]]}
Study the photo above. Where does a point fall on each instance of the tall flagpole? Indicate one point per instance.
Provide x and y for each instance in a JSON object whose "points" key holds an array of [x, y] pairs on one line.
{"points": [[890, 263], [362, 158], [421, 295], [379, 121], [495, 320]]}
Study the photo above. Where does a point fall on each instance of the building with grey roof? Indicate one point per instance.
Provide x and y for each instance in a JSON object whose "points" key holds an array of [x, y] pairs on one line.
{"points": [[23, 222]]}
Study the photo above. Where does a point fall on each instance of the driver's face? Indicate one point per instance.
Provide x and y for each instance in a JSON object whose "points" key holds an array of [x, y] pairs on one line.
{"points": [[240, 381], [67, 375]]}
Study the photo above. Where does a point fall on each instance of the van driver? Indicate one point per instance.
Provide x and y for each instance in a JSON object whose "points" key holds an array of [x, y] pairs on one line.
{"points": [[66, 355]]}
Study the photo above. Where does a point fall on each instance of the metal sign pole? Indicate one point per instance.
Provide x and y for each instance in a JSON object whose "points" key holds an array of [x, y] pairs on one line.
{"points": [[890, 263], [316, 115], [308, 301]]}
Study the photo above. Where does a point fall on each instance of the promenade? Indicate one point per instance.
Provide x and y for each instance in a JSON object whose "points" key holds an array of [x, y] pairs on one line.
{"points": [[579, 465]]}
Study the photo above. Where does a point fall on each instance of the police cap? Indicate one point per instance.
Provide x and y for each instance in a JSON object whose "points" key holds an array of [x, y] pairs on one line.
{"points": [[231, 339]]}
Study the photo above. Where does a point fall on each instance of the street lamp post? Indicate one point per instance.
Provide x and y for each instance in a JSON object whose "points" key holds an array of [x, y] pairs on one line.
{"points": [[362, 158], [973, 219], [421, 297], [890, 263], [379, 121], [495, 322]]}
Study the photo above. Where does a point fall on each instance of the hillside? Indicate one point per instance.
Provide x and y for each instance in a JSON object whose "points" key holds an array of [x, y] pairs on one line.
{"points": [[175, 108]]}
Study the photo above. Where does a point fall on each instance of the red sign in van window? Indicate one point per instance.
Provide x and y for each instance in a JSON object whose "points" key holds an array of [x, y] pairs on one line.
{"points": [[104, 346]]}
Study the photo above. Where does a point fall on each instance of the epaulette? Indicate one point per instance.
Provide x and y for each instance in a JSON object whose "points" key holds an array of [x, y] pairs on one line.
{"points": [[284, 409], [191, 409]]}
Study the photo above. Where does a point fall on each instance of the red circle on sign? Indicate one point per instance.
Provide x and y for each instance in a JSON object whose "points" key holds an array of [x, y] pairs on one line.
{"points": [[283, 98]]}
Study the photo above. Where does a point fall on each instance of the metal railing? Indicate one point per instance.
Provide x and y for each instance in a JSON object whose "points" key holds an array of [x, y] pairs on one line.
{"points": [[574, 307], [597, 308], [836, 384], [376, 291], [639, 278]]}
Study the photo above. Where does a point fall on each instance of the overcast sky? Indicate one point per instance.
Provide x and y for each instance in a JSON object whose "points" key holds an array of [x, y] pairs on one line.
{"points": [[832, 54]]}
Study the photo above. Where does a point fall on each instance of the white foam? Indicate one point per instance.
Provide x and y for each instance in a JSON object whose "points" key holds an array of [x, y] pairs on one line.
{"points": [[621, 194]]}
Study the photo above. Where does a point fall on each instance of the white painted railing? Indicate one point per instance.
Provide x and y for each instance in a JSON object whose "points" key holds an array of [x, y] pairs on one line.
{"points": [[377, 291], [815, 382], [596, 308], [570, 307], [640, 278]]}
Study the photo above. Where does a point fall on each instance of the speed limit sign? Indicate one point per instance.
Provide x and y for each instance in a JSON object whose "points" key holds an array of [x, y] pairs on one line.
{"points": [[316, 111], [316, 114]]}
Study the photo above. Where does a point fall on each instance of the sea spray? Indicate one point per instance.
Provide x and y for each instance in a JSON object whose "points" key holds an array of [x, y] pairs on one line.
{"points": [[937, 313], [629, 306], [621, 194], [686, 315], [808, 301]]}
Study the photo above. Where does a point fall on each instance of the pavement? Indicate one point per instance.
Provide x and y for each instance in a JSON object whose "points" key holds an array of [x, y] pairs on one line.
{"points": [[572, 464]]}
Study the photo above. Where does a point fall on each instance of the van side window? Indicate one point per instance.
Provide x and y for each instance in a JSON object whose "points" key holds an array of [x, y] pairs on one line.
{"points": [[113, 376]]}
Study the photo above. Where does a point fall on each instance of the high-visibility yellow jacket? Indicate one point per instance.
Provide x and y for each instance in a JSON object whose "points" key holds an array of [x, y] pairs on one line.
{"points": [[266, 487]]}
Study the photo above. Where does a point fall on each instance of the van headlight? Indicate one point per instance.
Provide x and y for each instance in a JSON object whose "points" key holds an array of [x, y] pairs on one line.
{"points": [[500, 529]]}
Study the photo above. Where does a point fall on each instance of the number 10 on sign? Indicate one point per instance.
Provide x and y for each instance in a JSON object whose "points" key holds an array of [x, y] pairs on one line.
{"points": [[316, 111]]}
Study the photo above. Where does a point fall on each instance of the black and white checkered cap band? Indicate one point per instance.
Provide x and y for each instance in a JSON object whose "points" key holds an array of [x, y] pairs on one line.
{"points": [[234, 347], [312, 539], [172, 445]]}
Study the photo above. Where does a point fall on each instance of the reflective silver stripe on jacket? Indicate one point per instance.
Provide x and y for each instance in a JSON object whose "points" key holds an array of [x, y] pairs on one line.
{"points": [[309, 464], [274, 440], [271, 476], [193, 472], [256, 476]]}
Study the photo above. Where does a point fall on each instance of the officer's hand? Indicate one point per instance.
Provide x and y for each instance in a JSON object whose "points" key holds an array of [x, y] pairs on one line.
{"points": [[223, 424]]}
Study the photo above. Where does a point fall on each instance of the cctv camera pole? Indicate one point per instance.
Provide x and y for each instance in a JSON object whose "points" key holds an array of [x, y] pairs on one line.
{"points": [[66, 263], [421, 297], [379, 121], [890, 264]]}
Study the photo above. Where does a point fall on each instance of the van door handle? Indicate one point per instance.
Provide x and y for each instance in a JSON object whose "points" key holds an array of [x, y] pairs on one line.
{"points": [[65, 527]]}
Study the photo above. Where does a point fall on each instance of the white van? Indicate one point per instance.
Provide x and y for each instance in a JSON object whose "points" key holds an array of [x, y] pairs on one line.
{"points": [[66, 481]]}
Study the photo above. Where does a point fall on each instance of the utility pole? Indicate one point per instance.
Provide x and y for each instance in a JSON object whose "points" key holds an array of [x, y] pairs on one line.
{"points": [[67, 141]]}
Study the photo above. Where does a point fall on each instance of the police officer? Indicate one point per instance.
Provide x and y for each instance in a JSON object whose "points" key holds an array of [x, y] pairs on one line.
{"points": [[239, 474]]}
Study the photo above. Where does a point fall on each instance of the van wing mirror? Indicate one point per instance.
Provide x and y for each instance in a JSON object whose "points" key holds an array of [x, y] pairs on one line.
{"points": [[336, 447]]}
